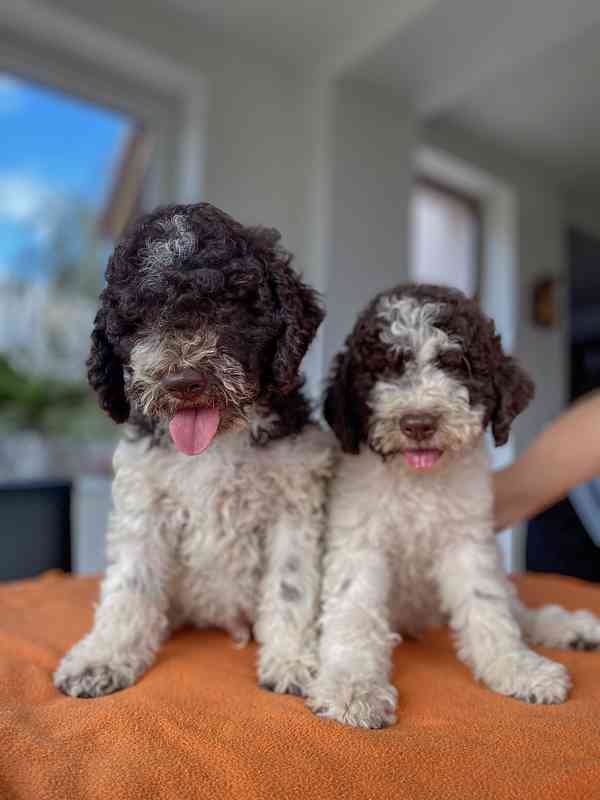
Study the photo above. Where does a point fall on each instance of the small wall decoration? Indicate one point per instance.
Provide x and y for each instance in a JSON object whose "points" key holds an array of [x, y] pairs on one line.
{"points": [[545, 302]]}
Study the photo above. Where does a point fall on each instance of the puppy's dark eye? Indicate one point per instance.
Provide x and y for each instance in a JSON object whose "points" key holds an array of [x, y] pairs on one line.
{"points": [[451, 358], [378, 361], [454, 360], [398, 360]]}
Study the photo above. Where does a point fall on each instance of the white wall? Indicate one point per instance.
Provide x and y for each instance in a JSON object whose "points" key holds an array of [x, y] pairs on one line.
{"points": [[543, 351], [372, 141], [256, 151]]}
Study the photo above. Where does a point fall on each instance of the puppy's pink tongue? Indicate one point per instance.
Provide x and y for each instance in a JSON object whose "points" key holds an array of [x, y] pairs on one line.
{"points": [[193, 429], [422, 459]]}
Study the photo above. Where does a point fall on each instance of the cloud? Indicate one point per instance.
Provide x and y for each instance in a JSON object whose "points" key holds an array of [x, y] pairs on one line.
{"points": [[27, 201], [21, 196], [12, 94]]}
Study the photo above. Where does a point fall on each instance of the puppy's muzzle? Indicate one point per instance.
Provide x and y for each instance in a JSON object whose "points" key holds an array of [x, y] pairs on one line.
{"points": [[419, 427], [186, 384]]}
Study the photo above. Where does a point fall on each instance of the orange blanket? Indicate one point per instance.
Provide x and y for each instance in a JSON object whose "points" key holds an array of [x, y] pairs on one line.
{"points": [[197, 726]]}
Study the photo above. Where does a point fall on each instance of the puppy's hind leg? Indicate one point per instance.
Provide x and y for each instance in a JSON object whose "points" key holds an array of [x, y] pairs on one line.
{"points": [[554, 626], [478, 596], [131, 620]]}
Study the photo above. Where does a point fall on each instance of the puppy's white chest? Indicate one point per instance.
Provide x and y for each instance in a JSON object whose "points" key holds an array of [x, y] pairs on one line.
{"points": [[230, 505], [413, 520], [221, 512]]}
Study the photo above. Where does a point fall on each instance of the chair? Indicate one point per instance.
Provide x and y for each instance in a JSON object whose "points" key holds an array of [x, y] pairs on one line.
{"points": [[35, 528]]}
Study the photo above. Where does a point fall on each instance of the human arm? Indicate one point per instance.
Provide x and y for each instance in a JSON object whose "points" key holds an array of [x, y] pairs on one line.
{"points": [[564, 455]]}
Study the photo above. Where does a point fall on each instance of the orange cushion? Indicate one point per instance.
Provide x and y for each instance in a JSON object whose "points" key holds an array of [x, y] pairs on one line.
{"points": [[197, 725]]}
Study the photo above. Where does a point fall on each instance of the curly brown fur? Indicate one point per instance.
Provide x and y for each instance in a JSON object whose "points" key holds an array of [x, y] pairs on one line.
{"points": [[493, 379], [185, 270]]}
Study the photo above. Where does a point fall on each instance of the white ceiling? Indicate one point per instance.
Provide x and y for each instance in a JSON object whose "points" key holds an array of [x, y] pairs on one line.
{"points": [[310, 33], [524, 73], [298, 31], [547, 109]]}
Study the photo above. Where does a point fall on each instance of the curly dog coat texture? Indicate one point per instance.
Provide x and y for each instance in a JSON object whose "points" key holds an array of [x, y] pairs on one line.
{"points": [[197, 345], [410, 541]]}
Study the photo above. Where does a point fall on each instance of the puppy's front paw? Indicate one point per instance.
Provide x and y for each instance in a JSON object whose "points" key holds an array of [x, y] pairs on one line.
{"points": [[529, 677], [92, 681], [284, 675], [85, 673], [362, 704]]}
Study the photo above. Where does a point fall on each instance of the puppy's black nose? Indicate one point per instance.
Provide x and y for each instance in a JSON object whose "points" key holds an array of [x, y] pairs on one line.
{"points": [[419, 427], [185, 383]]}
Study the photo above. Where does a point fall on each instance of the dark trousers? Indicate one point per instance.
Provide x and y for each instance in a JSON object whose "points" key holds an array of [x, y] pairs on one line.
{"points": [[558, 542]]}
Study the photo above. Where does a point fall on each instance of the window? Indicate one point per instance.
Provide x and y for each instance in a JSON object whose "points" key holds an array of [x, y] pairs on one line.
{"points": [[71, 175], [445, 237]]}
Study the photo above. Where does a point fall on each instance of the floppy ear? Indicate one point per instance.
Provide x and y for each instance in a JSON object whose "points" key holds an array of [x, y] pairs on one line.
{"points": [[105, 372], [301, 312], [340, 408], [514, 390]]}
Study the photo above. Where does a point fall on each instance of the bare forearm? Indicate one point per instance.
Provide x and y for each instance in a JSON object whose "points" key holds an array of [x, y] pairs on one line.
{"points": [[564, 455]]}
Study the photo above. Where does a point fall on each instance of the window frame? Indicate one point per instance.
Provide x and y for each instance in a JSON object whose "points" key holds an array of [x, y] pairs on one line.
{"points": [[136, 104], [474, 205], [55, 49]]}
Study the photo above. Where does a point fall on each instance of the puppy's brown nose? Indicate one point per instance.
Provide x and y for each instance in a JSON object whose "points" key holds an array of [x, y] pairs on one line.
{"points": [[185, 383], [419, 427]]}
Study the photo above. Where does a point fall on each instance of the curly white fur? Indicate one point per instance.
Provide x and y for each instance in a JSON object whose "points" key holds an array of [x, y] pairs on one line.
{"points": [[229, 539], [178, 245]]}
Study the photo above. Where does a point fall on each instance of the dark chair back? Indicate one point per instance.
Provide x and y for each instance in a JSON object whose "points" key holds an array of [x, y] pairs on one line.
{"points": [[35, 528]]}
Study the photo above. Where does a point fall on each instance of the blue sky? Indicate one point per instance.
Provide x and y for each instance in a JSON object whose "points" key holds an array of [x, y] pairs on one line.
{"points": [[54, 148]]}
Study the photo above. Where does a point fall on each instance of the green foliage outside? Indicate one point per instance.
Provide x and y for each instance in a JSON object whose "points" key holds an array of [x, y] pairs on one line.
{"points": [[71, 262], [46, 405]]}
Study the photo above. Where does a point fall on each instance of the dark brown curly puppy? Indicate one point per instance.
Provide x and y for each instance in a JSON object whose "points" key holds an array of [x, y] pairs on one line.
{"points": [[197, 347], [410, 540]]}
